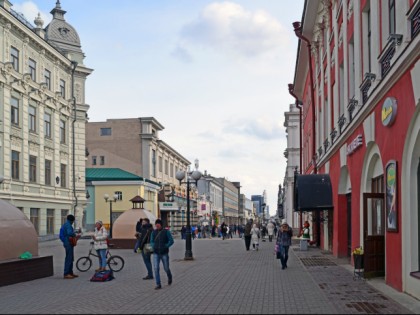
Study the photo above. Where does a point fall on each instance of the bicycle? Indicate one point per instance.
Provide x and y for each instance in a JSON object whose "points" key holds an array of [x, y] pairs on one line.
{"points": [[114, 262]]}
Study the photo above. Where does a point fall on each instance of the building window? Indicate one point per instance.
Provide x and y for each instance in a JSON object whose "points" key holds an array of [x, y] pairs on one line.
{"points": [[15, 164], [34, 217], [47, 125], [171, 170], [32, 119], [63, 172], [93, 160], [166, 167], [106, 131], [50, 221], [102, 160], [32, 169], [48, 172], [14, 114], [154, 163], [14, 58], [119, 195], [391, 16], [62, 132], [160, 164], [47, 78], [32, 69], [63, 88], [64, 214]]}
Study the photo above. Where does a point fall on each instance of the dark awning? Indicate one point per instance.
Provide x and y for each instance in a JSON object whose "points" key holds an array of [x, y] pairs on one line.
{"points": [[313, 192]]}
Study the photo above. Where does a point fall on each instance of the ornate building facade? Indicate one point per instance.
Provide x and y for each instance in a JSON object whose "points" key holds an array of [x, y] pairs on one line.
{"points": [[42, 118]]}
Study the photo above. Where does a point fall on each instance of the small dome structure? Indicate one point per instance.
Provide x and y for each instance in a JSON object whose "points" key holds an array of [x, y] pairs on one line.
{"points": [[124, 226], [61, 34], [17, 233]]}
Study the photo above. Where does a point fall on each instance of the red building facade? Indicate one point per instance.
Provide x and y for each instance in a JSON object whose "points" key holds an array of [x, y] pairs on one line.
{"points": [[361, 125]]}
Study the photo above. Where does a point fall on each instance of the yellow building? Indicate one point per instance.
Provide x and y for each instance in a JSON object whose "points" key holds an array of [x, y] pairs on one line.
{"points": [[119, 187]]}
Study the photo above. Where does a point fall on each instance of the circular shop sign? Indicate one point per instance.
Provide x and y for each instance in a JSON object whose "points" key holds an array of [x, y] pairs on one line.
{"points": [[389, 111]]}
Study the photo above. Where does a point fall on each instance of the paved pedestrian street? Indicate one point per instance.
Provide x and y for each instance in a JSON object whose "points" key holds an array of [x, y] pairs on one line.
{"points": [[223, 278]]}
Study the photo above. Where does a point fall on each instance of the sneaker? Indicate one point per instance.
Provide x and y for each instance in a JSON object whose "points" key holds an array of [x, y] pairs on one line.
{"points": [[170, 281], [74, 276], [147, 278], [158, 287], [68, 277]]}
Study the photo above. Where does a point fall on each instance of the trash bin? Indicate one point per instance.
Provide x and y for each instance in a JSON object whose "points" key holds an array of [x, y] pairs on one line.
{"points": [[304, 244]]}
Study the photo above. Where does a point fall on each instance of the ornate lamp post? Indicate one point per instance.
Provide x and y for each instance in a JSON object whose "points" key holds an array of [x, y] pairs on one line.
{"points": [[114, 199], [195, 175]]}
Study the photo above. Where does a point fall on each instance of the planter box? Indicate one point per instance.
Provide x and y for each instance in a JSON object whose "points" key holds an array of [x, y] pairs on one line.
{"points": [[358, 261]]}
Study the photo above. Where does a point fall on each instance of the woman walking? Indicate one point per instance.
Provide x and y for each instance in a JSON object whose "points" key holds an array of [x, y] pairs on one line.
{"points": [[255, 237], [284, 240]]}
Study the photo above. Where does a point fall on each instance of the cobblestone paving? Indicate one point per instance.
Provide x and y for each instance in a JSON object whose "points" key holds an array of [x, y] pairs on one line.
{"points": [[223, 278], [350, 294]]}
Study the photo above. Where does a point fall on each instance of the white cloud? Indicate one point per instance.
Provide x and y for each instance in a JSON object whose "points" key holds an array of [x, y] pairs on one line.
{"points": [[30, 10], [230, 27], [260, 128], [182, 54]]}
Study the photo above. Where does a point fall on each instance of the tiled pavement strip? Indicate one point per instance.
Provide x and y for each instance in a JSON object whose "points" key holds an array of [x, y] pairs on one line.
{"points": [[223, 278]]}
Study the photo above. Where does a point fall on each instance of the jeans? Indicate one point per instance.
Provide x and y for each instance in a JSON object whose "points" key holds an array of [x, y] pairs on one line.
{"points": [[102, 257], [148, 263], [284, 255], [68, 262], [165, 261], [247, 241], [137, 245]]}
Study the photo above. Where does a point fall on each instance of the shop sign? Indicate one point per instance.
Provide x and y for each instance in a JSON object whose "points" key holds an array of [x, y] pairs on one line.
{"points": [[389, 111], [168, 206], [356, 143]]}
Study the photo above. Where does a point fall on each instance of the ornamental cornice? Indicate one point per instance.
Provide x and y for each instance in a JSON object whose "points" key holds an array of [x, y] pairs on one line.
{"points": [[49, 152], [350, 10], [33, 148], [34, 138], [16, 142]]}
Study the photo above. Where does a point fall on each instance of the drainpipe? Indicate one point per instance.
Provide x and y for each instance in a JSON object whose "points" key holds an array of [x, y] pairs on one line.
{"points": [[298, 32], [298, 105], [73, 69]]}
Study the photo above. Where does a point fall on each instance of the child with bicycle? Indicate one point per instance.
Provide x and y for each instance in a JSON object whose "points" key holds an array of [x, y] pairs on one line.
{"points": [[100, 244]]}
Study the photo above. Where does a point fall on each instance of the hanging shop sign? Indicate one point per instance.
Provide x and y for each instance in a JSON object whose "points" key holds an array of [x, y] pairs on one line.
{"points": [[389, 111], [355, 144], [168, 206]]}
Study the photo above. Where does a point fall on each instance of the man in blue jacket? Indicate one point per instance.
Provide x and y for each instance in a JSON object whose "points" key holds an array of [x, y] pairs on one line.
{"points": [[161, 240], [67, 231]]}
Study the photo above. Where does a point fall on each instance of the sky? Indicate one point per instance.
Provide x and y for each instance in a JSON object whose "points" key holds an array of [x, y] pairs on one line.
{"points": [[213, 73]]}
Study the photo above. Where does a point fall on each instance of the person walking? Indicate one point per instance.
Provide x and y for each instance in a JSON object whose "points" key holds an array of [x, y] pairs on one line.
{"points": [[161, 240], [255, 236], [284, 240], [183, 232], [247, 234], [67, 231], [100, 244], [270, 231], [146, 234], [138, 235], [223, 229]]}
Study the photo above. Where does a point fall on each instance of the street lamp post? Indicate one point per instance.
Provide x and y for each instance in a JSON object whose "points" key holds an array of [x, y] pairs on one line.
{"points": [[195, 175], [107, 199]]}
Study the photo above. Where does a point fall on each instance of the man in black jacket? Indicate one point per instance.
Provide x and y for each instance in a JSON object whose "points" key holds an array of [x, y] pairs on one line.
{"points": [[138, 234], [247, 234], [145, 233]]}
